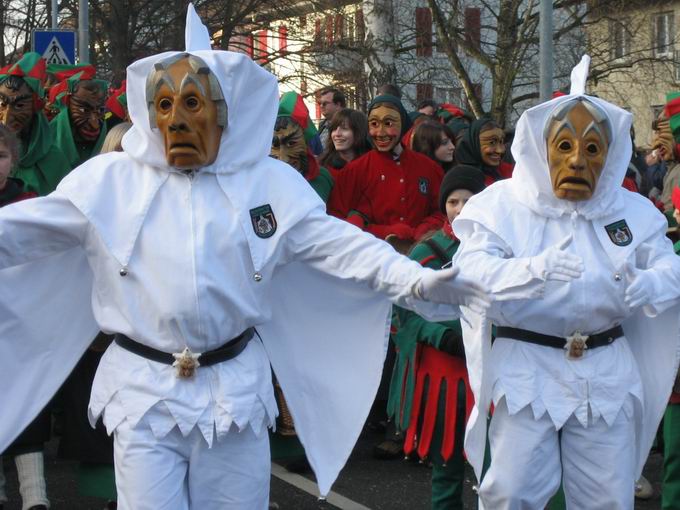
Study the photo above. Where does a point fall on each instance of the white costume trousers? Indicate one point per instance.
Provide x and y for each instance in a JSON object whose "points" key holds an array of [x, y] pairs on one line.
{"points": [[529, 456], [182, 473]]}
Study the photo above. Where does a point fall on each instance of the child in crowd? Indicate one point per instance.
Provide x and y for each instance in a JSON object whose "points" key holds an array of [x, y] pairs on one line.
{"points": [[28, 447], [430, 396]]}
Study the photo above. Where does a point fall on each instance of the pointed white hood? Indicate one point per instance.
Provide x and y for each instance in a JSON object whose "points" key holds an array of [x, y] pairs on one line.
{"points": [[251, 94], [530, 181]]}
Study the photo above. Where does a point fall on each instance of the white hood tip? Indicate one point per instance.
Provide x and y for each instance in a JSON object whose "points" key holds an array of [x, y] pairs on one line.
{"points": [[196, 36], [531, 177], [251, 94], [579, 76]]}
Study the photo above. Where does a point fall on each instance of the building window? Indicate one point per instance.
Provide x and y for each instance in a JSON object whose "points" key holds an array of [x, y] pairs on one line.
{"points": [[663, 32], [283, 39], [449, 95], [473, 26], [620, 39], [423, 32]]}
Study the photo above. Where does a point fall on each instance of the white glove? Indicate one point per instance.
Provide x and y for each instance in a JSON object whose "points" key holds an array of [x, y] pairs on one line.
{"points": [[639, 287], [445, 286], [556, 264]]}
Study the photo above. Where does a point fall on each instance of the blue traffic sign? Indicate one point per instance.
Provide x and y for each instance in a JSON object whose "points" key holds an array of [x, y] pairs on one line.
{"points": [[56, 46]]}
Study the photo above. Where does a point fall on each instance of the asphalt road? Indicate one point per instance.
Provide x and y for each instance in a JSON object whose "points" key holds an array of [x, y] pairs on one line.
{"points": [[373, 484]]}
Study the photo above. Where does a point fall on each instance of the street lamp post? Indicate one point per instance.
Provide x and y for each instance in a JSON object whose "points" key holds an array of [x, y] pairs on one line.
{"points": [[83, 32], [546, 50], [55, 9]]}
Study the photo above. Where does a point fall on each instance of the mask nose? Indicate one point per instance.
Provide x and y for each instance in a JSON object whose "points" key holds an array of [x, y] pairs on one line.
{"points": [[577, 160], [178, 122]]}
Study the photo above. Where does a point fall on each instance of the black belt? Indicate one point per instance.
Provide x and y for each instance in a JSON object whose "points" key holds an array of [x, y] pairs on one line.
{"points": [[229, 350], [594, 341]]}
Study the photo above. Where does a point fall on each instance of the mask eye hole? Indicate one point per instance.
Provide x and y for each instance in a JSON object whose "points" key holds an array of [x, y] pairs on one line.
{"points": [[592, 148], [192, 102], [565, 145], [164, 105]]}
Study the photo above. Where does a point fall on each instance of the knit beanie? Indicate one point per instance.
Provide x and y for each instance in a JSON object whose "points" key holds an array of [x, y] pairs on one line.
{"points": [[32, 69], [69, 77], [460, 177], [291, 105]]}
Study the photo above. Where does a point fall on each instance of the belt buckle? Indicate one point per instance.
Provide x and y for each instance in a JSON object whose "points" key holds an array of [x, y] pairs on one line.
{"points": [[186, 363], [575, 345]]}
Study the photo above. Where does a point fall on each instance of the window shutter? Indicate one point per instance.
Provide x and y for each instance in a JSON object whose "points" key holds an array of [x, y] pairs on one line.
{"points": [[473, 25], [423, 32], [338, 28], [262, 46], [359, 25], [317, 32], [424, 91], [328, 29], [283, 39]]}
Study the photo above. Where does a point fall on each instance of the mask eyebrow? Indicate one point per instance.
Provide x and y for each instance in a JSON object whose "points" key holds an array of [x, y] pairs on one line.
{"points": [[164, 80], [593, 126], [565, 124], [190, 78]]}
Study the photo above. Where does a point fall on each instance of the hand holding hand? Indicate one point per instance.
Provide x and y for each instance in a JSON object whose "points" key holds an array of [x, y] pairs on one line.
{"points": [[639, 287], [446, 286], [557, 264]]}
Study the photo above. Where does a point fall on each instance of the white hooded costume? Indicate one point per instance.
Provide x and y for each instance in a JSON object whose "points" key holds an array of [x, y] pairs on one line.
{"points": [[500, 230], [128, 245]]}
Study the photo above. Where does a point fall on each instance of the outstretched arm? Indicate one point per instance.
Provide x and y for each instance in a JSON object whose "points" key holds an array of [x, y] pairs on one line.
{"points": [[39, 227], [342, 250], [486, 256]]}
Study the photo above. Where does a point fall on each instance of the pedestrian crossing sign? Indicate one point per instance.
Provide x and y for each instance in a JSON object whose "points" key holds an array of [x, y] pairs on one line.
{"points": [[55, 46]]}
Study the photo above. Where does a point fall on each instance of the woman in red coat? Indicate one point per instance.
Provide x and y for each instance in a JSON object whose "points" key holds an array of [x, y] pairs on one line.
{"points": [[391, 191]]}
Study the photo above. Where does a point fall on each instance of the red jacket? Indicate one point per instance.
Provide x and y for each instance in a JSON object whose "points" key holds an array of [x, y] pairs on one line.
{"points": [[504, 171], [384, 197]]}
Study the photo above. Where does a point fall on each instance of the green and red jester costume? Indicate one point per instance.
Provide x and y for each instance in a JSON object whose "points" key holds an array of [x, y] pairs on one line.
{"points": [[61, 126], [670, 495], [41, 164], [291, 105], [430, 397]]}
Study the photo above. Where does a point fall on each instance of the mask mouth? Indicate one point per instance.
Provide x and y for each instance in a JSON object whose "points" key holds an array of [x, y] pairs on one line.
{"points": [[573, 180], [89, 134], [180, 145]]}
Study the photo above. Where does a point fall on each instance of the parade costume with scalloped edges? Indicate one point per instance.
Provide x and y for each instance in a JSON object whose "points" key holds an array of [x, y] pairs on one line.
{"points": [[430, 397], [607, 404], [174, 259]]}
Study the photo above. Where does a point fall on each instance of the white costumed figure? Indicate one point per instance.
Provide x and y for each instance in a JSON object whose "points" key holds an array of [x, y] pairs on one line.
{"points": [[181, 245], [585, 288]]}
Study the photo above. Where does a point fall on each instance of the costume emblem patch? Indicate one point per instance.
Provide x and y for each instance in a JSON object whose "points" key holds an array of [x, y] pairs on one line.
{"points": [[263, 220], [423, 185], [619, 233]]}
